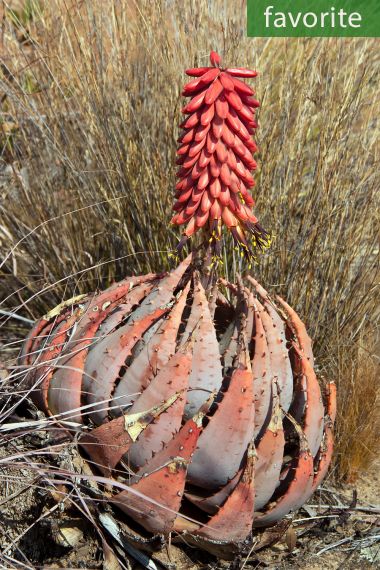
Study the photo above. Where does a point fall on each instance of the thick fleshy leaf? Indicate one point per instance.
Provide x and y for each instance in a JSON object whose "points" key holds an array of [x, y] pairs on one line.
{"points": [[116, 316], [100, 305], [233, 521], [107, 443], [174, 378], [65, 387], [299, 488], [206, 372], [212, 503], [41, 331], [262, 374], [240, 339], [41, 376], [153, 356], [105, 336], [225, 438], [275, 333], [187, 429], [270, 452], [299, 330], [314, 410], [182, 445], [163, 293], [101, 372], [165, 487], [331, 394], [44, 344], [323, 458]]}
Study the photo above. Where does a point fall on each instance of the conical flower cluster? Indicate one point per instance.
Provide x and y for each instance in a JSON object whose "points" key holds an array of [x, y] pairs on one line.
{"points": [[215, 157]]}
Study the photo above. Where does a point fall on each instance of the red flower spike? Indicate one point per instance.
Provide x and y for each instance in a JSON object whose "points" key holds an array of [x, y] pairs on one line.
{"points": [[215, 151]]}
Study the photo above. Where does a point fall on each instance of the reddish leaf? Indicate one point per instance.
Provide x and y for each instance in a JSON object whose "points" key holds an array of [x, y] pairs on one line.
{"points": [[165, 487], [224, 440], [233, 521]]}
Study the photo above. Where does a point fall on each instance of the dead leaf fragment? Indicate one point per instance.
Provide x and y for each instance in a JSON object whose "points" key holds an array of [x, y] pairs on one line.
{"points": [[291, 539]]}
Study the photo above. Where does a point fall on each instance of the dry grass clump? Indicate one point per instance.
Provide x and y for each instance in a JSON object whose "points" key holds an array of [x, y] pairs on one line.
{"points": [[359, 412], [90, 108]]}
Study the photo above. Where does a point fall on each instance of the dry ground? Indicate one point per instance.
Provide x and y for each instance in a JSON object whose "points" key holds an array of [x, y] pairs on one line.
{"points": [[40, 528]]}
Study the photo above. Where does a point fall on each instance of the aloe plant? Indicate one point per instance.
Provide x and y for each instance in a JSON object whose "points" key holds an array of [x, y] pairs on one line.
{"points": [[200, 393]]}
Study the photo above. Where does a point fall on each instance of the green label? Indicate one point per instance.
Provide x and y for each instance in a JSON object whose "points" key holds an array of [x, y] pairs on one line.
{"points": [[313, 18]]}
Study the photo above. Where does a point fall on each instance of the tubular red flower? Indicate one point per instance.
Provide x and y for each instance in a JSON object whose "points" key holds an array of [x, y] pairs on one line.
{"points": [[215, 155]]}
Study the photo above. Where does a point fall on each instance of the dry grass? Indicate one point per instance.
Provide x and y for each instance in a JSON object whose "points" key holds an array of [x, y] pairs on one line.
{"points": [[90, 107], [358, 419]]}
